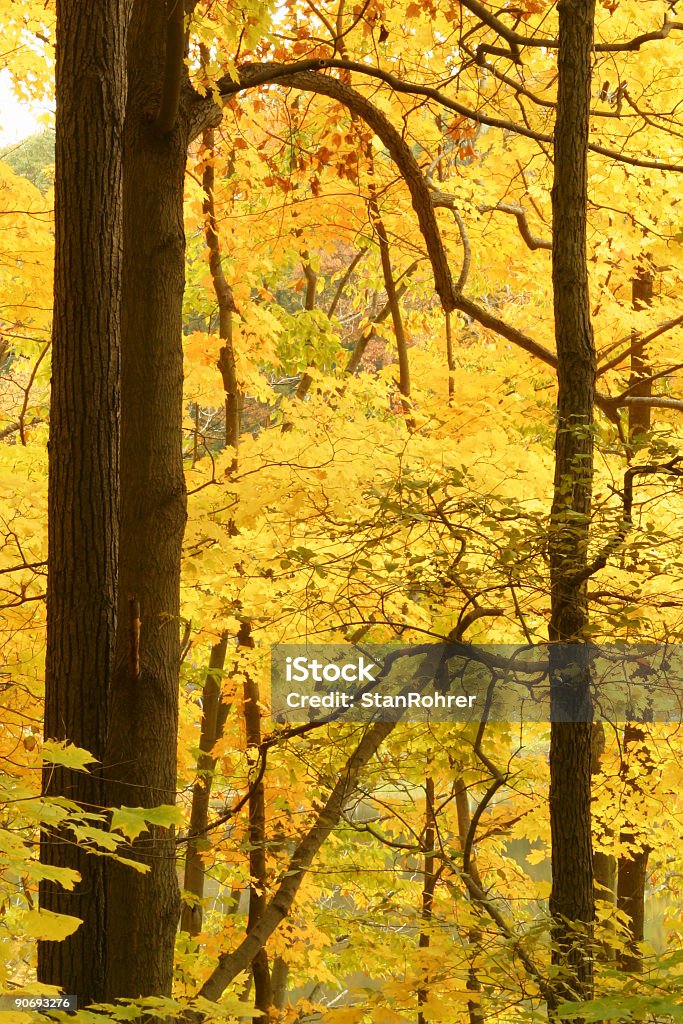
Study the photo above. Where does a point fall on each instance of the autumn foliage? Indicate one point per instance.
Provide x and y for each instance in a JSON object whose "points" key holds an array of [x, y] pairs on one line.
{"points": [[369, 444]]}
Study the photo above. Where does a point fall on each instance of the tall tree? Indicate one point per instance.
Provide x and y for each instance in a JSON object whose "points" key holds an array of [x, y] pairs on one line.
{"points": [[571, 900], [141, 749], [84, 454]]}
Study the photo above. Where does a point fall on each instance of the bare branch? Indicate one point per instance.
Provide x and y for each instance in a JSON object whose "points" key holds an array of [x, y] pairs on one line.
{"points": [[443, 199], [343, 281], [516, 40], [531, 241]]}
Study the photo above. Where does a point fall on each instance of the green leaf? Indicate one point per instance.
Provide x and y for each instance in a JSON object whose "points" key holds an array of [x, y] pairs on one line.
{"points": [[65, 753], [131, 821]]}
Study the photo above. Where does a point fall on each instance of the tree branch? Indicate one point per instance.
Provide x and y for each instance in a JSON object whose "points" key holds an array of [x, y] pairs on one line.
{"points": [[517, 41], [343, 281], [252, 75], [531, 241], [673, 467], [233, 963]]}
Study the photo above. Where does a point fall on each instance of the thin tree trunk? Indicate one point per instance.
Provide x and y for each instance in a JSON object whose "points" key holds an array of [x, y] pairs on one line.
{"points": [[309, 305], [571, 900], [224, 297], [428, 887], [450, 358], [462, 804], [232, 963], [83, 457], [393, 303], [363, 341], [604, 864], [258, 871], [632, 868], [279, 977], [214, 714], [640, 414]]}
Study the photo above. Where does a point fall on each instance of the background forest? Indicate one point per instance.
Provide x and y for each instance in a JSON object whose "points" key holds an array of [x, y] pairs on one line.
{"points": [[346, 323]]}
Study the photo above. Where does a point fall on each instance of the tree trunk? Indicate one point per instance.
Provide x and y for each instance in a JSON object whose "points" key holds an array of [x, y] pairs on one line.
{"points": [[640, 416], [571, 900], [632, 868], [214, 714], [141, 754], [258, 868], [474, 935], [84, 453], [604, 864], [428, 887]]}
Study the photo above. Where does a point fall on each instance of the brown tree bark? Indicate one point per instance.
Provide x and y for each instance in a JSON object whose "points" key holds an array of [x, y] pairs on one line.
{"points": [[84, 454], [214, 714], [393, 302], [428, 887], [141, 750], [604, 864], [571, 900], [224, 297], [462, 802], [640, 415], [258, 869], [632, 867]]}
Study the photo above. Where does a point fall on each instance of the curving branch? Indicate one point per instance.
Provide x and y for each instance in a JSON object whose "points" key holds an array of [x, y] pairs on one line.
{"points": [[634, 44], [308, 79], [358, 104], [252, 75], [443, 199], [531, 241], [671, 468]]}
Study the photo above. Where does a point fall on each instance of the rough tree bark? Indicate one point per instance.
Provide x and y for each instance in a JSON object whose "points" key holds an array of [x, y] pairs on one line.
{"points": [[604, 864], [571, 900], [258, 868], [84, 452], [141, 751]]}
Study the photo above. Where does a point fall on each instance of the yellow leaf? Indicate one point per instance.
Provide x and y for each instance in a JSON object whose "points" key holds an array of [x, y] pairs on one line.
{"points": [[383, 1015], [345, 1015], [43, 924]]}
